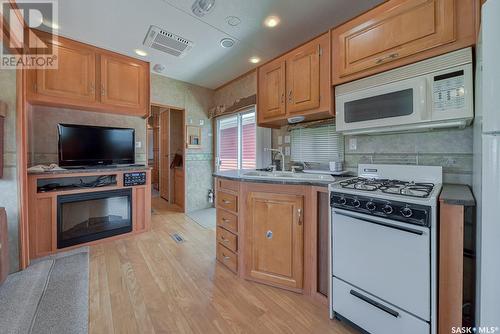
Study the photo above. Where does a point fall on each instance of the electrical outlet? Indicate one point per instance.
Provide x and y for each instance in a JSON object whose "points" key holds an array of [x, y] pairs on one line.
{"points": [[353, 144], [138, 144], [287, 139], [287, 151], [202, 122]]}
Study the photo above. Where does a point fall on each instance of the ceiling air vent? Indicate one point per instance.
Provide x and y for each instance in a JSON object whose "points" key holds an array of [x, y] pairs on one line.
{"points": [[167, 42]]}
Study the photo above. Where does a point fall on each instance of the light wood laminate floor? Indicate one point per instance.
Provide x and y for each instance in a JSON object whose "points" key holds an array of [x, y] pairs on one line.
{"points": [[150, 284]]}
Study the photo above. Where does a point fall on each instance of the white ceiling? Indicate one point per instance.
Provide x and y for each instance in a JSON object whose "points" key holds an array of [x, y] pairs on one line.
{"points": [[121, 25]]}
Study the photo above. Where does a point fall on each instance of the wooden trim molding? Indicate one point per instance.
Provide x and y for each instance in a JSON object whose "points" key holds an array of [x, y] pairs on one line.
{"points": [[237, 106]]}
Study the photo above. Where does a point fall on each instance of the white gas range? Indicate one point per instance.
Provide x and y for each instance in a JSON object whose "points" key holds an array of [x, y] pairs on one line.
{"points": [[383, 248]]}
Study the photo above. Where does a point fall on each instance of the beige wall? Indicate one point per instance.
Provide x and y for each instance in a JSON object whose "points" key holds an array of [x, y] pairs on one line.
{"points": [[43, 130], [8, 184], [242, 87]]}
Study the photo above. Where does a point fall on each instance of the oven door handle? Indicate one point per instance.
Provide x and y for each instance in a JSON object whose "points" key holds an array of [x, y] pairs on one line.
{"points": [[372, 302], [396, 227]]}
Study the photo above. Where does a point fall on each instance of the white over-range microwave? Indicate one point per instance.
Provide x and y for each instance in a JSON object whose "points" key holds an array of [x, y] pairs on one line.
{"points": [[434, 93]]}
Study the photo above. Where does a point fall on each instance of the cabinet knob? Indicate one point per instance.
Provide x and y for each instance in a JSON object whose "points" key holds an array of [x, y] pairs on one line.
{"points": [[269, 234]]}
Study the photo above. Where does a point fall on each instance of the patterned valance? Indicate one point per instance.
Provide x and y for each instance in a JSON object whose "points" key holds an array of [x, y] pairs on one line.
{"points": [[237, 106]]}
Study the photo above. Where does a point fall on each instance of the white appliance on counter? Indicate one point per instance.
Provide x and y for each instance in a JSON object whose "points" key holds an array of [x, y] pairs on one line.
{"points": [[434, 93], [383, 248], [486, 176]]}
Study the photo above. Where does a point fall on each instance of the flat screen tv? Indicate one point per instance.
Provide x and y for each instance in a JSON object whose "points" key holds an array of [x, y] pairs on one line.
{"points": [[87, 146]]}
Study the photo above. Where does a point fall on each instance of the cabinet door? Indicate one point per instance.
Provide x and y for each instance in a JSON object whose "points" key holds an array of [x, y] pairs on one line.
{"points": [[274, 236], [74, 78], [271, 104], [124, 83], [396, 29], [302, 79]]}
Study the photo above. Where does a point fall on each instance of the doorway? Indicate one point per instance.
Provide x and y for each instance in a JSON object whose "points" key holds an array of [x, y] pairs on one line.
{"points": [[166, 155]]}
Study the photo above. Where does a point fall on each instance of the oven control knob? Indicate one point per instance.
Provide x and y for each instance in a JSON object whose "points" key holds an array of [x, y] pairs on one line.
{"points": [[356, 203], [370, 206], [342, 201], [406, 212], [387, 209]]}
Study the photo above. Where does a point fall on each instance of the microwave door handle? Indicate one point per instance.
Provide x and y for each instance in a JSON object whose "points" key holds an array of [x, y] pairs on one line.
{"points": [[423, 97]]}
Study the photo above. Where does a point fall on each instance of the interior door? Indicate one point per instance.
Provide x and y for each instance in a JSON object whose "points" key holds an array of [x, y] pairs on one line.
{"points": [[165, 154], [274, 232], [123, 83], [272, 90], [75, 76], [302, 80]]}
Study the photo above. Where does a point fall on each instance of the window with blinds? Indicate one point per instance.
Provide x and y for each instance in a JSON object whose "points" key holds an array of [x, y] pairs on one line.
{"points": [[237, 141], [318, 145]]}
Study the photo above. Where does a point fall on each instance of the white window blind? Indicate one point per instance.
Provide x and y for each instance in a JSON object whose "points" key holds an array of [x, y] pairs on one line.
{"points": [[319, 145]]}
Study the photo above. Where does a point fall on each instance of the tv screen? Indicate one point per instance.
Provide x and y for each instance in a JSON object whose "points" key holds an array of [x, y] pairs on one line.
{"points": [[82, 145]]}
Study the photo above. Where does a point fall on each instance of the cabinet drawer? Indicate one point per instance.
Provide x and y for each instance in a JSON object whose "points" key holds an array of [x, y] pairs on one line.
{"points": [[227, 220], [227, 201], [371, 313], [228, 239], [228, 185], [226, 257]]}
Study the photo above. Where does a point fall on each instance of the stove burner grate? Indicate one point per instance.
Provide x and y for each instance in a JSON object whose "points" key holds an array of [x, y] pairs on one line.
{"points": [[397, 187]]}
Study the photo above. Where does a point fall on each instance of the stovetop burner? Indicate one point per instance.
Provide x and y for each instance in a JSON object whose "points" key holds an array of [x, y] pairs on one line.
{"points": [[397, 187]]}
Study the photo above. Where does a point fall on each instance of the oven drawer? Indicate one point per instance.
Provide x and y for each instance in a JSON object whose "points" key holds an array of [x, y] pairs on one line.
{"points": [[389, 259], [372, 314]]}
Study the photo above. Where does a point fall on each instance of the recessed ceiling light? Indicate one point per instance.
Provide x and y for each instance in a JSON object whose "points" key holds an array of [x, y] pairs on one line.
{"points": [[254, 60], [272, 21], [233, 21], [226, 42], [141, 53]]}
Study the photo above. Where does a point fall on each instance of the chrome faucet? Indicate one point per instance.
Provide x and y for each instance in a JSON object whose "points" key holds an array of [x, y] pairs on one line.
{"points": [[280, 151]]}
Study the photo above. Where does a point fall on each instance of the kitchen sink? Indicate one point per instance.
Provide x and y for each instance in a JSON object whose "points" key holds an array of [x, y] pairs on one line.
{"points": [[288, 176]]}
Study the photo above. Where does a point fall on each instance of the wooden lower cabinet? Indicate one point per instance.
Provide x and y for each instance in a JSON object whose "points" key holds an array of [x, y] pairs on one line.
{"points": [[274, 239]]}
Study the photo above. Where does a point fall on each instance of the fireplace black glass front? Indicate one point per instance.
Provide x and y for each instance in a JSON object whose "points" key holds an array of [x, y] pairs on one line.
{"points": [[92, 216]]}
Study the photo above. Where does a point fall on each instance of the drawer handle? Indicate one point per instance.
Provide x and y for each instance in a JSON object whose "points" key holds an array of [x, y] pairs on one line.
{"points": [[225, 257], [290, 96], [225, 201], [224, 220], [372, 302], [224, 240], [391, 56]]}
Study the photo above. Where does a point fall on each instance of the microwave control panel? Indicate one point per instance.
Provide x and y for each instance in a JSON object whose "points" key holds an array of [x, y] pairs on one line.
{"points": [[134, 179], [449, 91]]}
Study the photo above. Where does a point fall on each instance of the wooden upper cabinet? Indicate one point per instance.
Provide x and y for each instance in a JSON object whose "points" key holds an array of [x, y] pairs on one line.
{"points": [[271, 90], [123, 82], [296, 84], [90, 78], [274, 239], [75, 76], [302, 78], [400, 32]]}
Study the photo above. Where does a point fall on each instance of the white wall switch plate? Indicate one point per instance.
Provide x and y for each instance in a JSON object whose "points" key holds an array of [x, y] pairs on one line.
{"points": [[353, 144], [138, 144], [287, 151], [287, 139], [280, 140], [202, 122]]}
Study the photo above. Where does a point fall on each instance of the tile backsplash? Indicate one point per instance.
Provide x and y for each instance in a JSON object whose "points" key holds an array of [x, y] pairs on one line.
{"points": [[451, 149]]}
